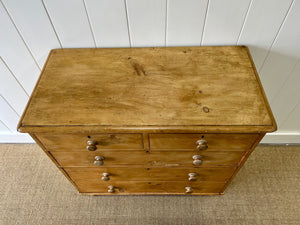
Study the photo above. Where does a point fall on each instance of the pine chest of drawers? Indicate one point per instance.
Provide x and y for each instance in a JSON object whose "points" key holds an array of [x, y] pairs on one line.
{"points": [[179, 120]]}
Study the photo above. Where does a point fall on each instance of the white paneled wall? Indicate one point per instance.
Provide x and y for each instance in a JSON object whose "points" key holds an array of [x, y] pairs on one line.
{"points": [[271, 28]]}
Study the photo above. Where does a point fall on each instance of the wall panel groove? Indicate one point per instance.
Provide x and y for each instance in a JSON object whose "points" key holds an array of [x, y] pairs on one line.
{"points": [[275, 37], [21, 36], [30, 29]]}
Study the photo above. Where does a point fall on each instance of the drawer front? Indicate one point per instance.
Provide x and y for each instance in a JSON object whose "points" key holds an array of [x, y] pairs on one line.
{"points": [[214, 141], [79, 142], [141, 187], [114, 174], [142, 159]]}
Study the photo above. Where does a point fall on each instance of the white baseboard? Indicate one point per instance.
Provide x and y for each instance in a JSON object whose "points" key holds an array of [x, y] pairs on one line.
{"points": [[272, 138], [281, 138], [15, 138]]}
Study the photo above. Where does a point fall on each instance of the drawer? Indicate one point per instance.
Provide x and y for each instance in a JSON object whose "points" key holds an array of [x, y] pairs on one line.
{"points": [[112, 174], [78, 142], [142, 159], [214, 141], [86, 185]]}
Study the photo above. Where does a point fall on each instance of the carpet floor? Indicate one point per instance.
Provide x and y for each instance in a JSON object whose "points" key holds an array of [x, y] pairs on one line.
{"points": [[265, 191]]}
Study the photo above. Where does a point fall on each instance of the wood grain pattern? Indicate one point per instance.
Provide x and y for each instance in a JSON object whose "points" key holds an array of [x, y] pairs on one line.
{"points": [[153, 159], [147, 188], [151, 174], [136, 115], [215, 141], [78, 142], [205, 87]]}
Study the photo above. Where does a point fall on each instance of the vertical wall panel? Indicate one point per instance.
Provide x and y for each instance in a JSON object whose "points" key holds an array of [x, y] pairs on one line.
{"points": [[14, 52], [109, 22], [287, 97], [284, 54], [185, 22], [32, 21], [261, 26], [292, 124], [3, 128], [11, 90], [147, 22], [224, 21], [8, 115], [71, 22]]}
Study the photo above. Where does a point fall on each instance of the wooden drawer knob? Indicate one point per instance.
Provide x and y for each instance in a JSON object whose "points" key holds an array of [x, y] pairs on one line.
{"points": [[105, 176], [197, 160], [111, 189], [192, 176], [98, 160], [91, 145], [188, 190], [201, 144]]}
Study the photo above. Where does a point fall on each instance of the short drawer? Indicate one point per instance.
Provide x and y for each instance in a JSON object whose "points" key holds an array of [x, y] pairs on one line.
{"points": [[214, 141], [79, 142], [113, 174], [95, 186], [142, 159]]}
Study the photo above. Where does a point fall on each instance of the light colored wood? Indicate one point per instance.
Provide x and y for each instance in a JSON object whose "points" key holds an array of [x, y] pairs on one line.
{"points": [[153, 159], [198, 79], [215, 141], [78, 142], [127, 121], [243, 160], [147, 188], [53, 160], [220, 174]]}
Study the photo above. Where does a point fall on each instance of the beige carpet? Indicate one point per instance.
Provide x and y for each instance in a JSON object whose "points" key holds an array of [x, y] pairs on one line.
{"points": [[33, 191]]}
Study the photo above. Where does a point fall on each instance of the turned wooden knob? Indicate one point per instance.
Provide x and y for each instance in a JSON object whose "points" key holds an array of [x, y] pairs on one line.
{"points": [[111, 189], [192, 176], [98, 160], [105, 176], [201, 144], [91, 145], [188, 190], [197, 160]]}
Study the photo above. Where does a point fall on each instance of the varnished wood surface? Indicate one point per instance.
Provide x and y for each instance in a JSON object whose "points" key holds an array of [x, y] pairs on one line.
{"points": [[78, 142], [214, 141], [162, 187], [220, 174], [189, 86], [152, 159]]}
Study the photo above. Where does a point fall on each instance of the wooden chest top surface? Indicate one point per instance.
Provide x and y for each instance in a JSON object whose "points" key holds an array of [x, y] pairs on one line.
{"points": [[178, 86]]}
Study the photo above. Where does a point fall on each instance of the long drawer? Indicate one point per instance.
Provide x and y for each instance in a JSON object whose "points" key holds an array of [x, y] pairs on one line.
{"points": [[152, 159], [95, 186], [78, 142], [214, 141], [114, 174]]}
